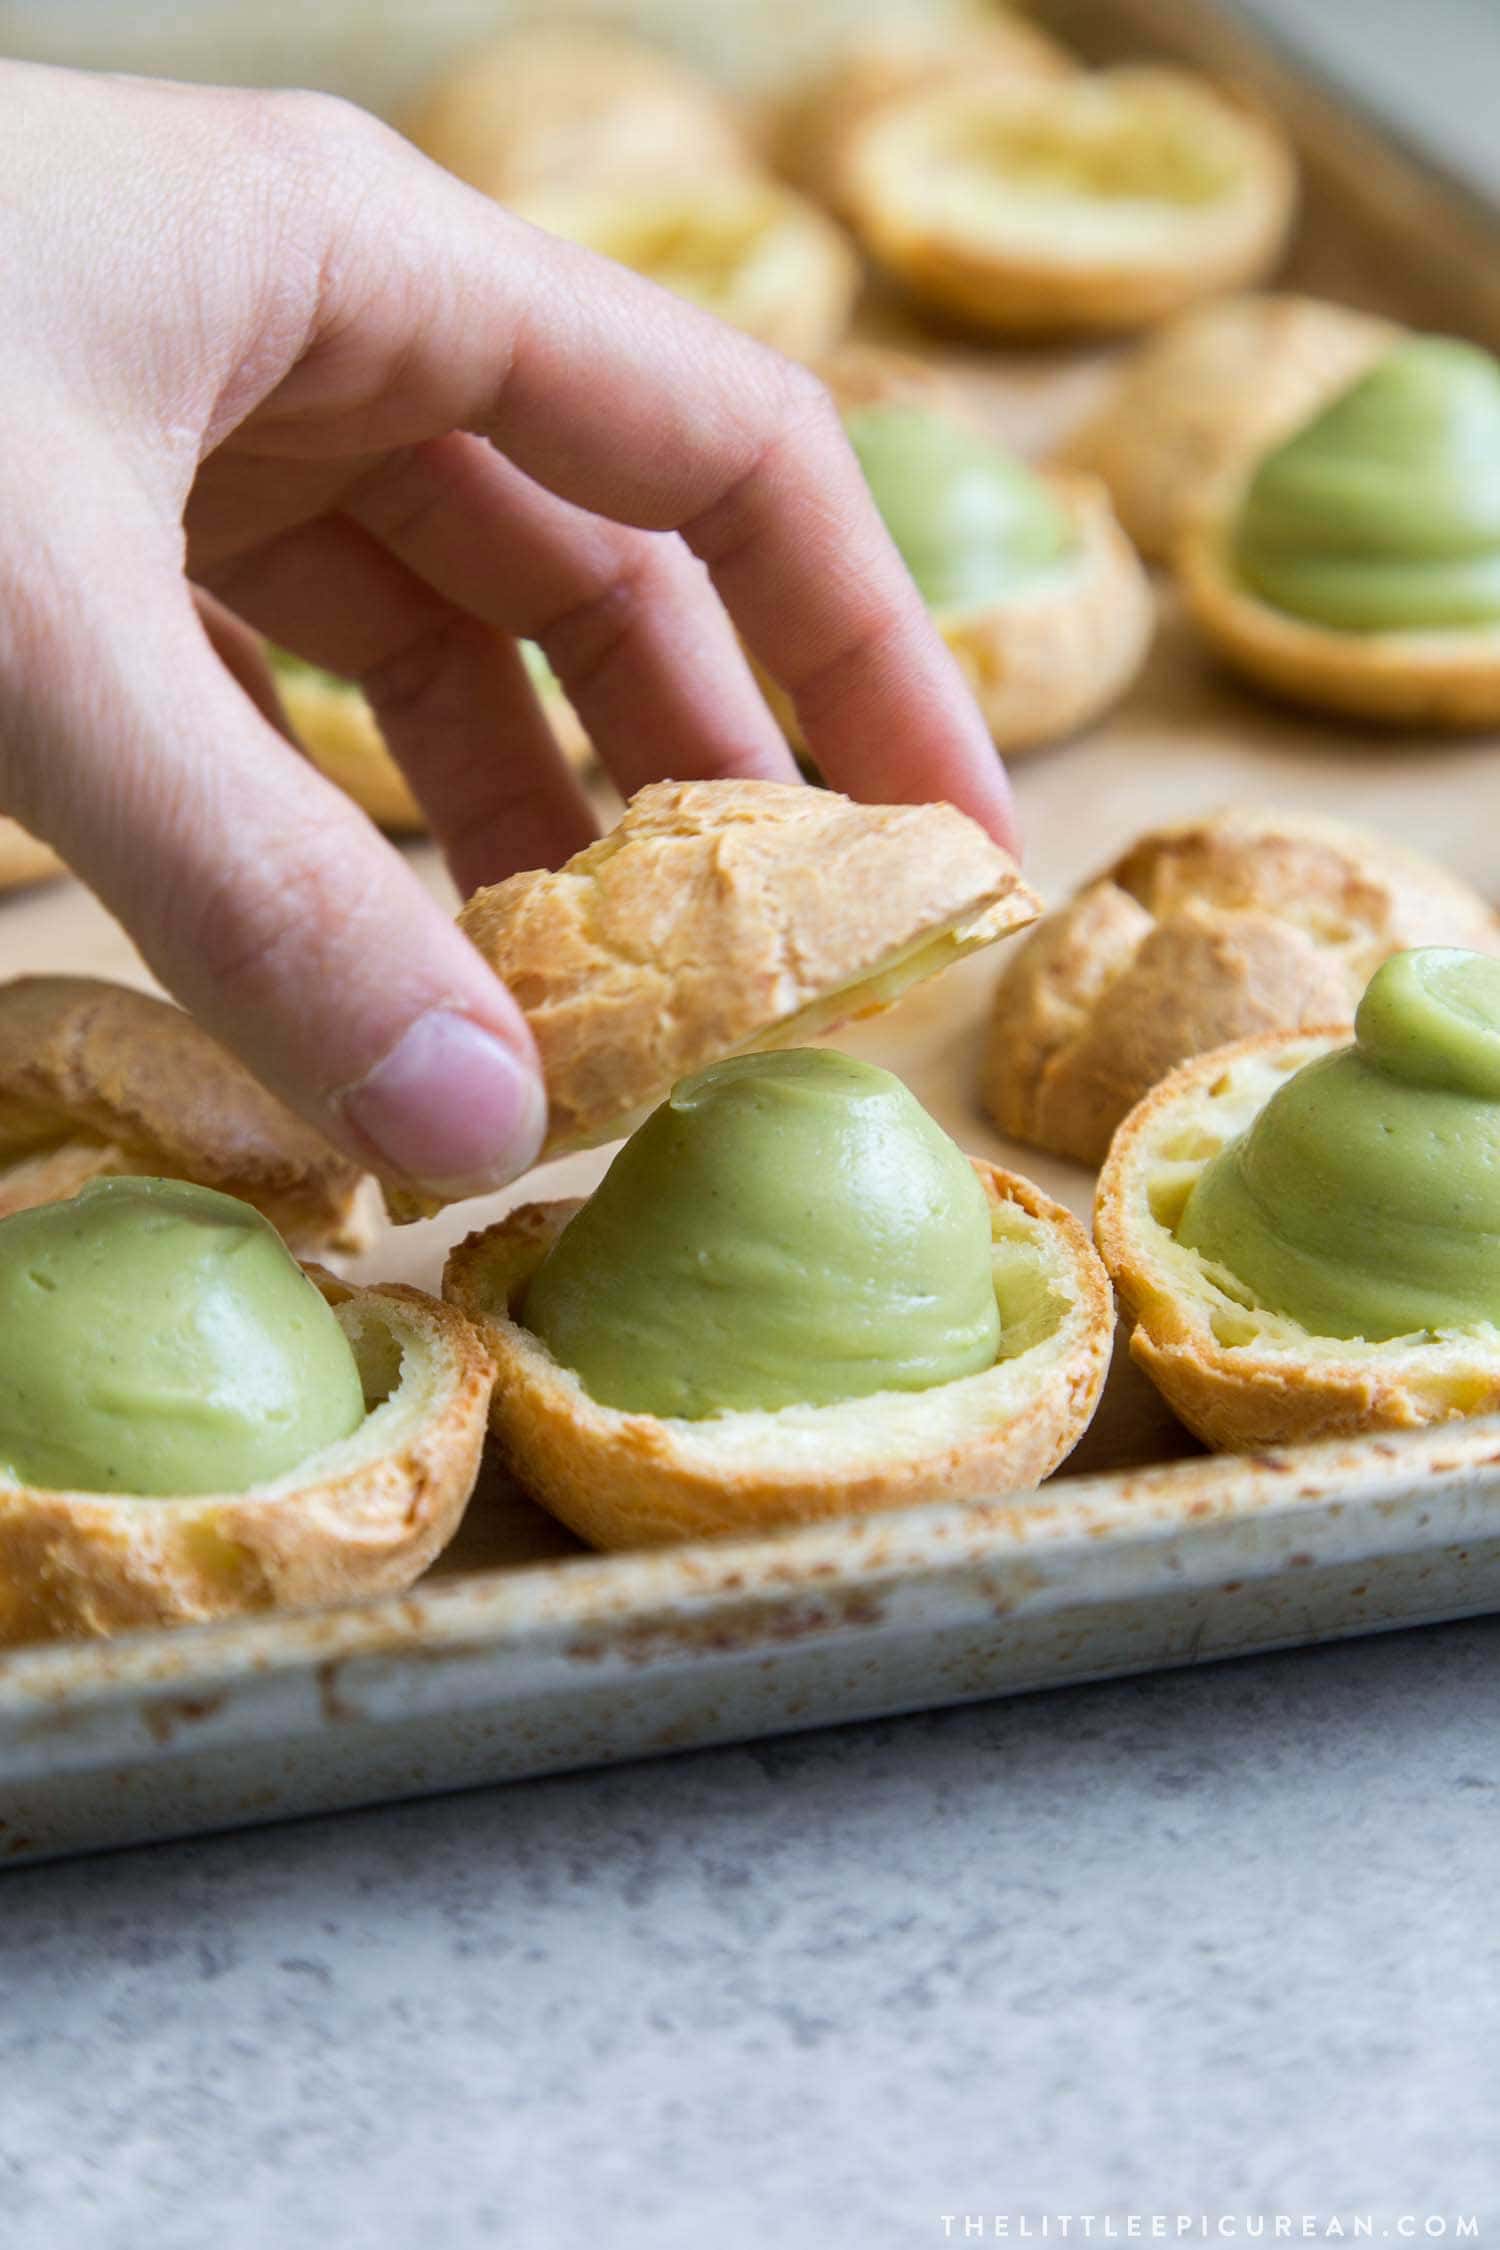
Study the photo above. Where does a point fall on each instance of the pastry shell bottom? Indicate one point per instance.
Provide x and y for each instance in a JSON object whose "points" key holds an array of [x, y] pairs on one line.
{"points": [[1438, 679], [634, 1480], [1241, 1377], [363, 1517]]}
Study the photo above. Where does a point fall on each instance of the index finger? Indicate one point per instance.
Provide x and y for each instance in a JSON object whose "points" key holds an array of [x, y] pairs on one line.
{"points": [[626, 401]]}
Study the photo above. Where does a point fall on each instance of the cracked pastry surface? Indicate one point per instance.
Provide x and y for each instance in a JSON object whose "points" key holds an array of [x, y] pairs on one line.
{"points": [[1094, 202], [722, 916], [96, 1078], [1199, 934]]}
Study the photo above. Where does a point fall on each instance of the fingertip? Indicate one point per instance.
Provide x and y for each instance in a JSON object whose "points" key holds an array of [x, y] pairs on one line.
{"points": [[451, 1107]]}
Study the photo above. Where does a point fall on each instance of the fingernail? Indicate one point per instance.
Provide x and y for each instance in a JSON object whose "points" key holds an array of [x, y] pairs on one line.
{"points": [[450, 1107]]}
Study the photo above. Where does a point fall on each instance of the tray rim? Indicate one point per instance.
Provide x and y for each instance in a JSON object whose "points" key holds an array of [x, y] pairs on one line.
{"points": [[666, 1610]]}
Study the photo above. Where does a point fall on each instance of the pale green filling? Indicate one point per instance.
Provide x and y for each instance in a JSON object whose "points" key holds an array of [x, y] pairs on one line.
{"points": [[786, 1229], [972, 524], [159, 1338], [1364, 1200], [1383, 513]]}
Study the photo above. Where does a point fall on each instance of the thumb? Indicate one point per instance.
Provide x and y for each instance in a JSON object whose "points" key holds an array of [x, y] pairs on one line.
{"points": [[268, 904]]}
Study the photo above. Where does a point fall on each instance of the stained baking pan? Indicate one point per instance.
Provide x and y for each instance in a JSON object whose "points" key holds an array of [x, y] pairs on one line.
{"points": [[521, 1654]]}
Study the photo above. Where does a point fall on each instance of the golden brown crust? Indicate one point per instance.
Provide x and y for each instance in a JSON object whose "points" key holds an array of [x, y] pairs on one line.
{"points": [[1211, 389], [934, 184], [560, 107], [747, 248], [1432, 679], [338, 730], [1205, 932], [815, 129], [96, 1078], [369, 1518], [632, 1480], [1240, 1377], [24, 859], [721, 916]]}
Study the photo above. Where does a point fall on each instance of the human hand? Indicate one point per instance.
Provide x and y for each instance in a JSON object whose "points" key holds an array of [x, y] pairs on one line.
{"points": [[266, 367]]}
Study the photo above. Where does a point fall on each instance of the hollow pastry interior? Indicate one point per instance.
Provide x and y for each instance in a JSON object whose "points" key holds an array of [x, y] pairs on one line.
{"points": [[1103, 199]]}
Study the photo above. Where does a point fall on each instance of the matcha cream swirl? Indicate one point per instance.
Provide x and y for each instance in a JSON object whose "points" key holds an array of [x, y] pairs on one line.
{"points": [[1383, 513], [160, 1339], [972, 524], [1364, 1200], [786, 1229]]}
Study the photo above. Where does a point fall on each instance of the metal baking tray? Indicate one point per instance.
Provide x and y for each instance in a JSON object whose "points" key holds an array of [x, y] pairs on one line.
{"points": [[522, 1654]]}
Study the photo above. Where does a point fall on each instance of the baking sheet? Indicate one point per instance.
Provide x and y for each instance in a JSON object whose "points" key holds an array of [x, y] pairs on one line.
{"points": [[522, 1654]]}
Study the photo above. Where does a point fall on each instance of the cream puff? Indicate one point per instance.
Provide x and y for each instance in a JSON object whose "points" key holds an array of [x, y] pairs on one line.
{"points": [[1305, 1228], [192, 1428], [563, 106], [1095, 202], [791, 1297], [1204, 932], [1209, 391], [1356, 567]]}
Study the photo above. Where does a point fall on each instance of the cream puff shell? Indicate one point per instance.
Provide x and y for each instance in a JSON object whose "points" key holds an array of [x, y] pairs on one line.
{"points": [[748, 249], [1241, 1377], [957, 194], [725, 916], [98, 1079], [1211, 389], [359, 1518], [562, 106], [1448, 679], [817, 124], [336, 727], [1207, 931], [636, 1480]]}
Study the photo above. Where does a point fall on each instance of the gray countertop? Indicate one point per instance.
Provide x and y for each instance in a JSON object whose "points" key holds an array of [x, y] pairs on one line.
{"points": [[1219, 1942]]}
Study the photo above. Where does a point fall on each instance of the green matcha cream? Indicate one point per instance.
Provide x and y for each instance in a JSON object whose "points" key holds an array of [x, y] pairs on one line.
{"points": [[1383, 513], [973, 525], [787, 1229], [159, 1338], [1365, 1198]]}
